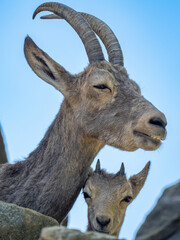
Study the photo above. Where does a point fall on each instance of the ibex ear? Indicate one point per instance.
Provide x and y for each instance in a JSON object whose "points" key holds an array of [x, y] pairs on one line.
{"points": [[47, 69], [137, 181]]}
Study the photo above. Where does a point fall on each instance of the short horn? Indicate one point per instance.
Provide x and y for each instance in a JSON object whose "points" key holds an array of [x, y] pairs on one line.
{"points": [[121, 171], [98, 167], [79, 24], [105, 34]]}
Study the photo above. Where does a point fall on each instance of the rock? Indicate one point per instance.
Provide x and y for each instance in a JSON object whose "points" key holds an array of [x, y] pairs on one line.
{"points": [[17, 223], [63, 233], [163, 223], [65, 221], [3, 156]]}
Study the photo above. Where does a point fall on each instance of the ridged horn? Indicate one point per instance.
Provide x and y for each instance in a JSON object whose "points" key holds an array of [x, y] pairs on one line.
{"points": [[79, 24], [105, 34], [107, 37]]}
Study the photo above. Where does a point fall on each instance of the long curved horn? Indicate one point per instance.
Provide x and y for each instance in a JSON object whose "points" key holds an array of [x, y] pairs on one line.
{"points": [[79, 24], [105, 34], [108, 38]]}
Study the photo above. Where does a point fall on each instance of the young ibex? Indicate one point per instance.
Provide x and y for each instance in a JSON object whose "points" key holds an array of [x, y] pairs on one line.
{"points": [[101, 106], [108, 195]]}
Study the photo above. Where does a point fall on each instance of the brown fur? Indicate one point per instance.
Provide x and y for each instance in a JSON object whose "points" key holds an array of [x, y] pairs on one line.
{"points": [[51, 177], [106, 196]]}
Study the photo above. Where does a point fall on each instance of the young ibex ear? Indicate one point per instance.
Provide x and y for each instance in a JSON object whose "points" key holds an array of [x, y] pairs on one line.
{"points": [[47, 69], [137, 181]]}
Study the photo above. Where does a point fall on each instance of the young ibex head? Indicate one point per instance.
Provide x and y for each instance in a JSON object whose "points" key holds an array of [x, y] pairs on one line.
{"points": [[108, 195], [106, 103]]}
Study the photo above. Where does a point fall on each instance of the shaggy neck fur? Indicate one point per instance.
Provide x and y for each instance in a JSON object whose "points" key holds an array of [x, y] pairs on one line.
{"points": [[50, 179]]}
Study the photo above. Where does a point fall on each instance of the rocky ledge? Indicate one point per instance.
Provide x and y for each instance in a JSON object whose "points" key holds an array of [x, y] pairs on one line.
{"points": [[17, 223], [163, 223], [63, 233]]}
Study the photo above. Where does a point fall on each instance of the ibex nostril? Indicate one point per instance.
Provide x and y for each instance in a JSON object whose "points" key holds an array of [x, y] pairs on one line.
{"points": [[158, 122], [103, 222]]}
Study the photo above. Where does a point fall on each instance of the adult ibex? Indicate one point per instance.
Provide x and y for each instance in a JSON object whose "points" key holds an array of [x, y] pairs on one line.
{"points": [[101, 106], [109, 195]]}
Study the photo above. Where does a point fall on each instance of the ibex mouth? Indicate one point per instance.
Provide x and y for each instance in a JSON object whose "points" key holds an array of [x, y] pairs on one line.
{"points": [[155, 139], [101, 231]]}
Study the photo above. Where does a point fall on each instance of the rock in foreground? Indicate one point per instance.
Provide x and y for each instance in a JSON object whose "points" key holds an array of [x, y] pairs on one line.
{"points": [[62, 233], [17, 223], [163, 223]]}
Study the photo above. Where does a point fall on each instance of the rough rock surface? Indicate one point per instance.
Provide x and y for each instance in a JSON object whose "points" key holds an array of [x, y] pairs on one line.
{"points": [[3, 156], [63, 233], [17, 223], [65, 221], [163, 223]]}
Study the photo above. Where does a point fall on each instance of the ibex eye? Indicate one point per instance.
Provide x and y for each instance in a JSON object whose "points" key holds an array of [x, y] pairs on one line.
{"points": [[127, 199], [101, 86], [86, 195]]}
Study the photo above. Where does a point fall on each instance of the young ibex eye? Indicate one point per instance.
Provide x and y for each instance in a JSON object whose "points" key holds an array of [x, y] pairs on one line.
{"points": [[102, 87], [86, 195], [127, 199]]}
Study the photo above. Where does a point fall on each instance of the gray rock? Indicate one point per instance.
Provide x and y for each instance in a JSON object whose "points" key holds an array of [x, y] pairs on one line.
{"points": [[63, 233], [163, 223], [65, 221], [3, 156], [17, 223]]}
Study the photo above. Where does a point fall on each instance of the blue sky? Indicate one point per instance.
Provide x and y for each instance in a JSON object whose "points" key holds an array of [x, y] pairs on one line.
{"points": [[149, 34]]}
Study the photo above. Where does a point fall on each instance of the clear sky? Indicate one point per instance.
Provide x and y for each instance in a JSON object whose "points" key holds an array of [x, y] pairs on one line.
{"points": [[149, 34]]}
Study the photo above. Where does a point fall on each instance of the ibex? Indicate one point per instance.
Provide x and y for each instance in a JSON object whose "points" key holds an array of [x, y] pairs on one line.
{"points": [[108, 196], [101, 106]]}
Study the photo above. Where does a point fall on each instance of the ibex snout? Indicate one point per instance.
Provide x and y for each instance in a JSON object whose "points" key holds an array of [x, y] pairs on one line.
{"points": [[103, 221], [151, 129]]}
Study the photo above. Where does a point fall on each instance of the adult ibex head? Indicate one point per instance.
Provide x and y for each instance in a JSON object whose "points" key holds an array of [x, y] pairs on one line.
{"points": [[107, 104], [108, 196]]}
